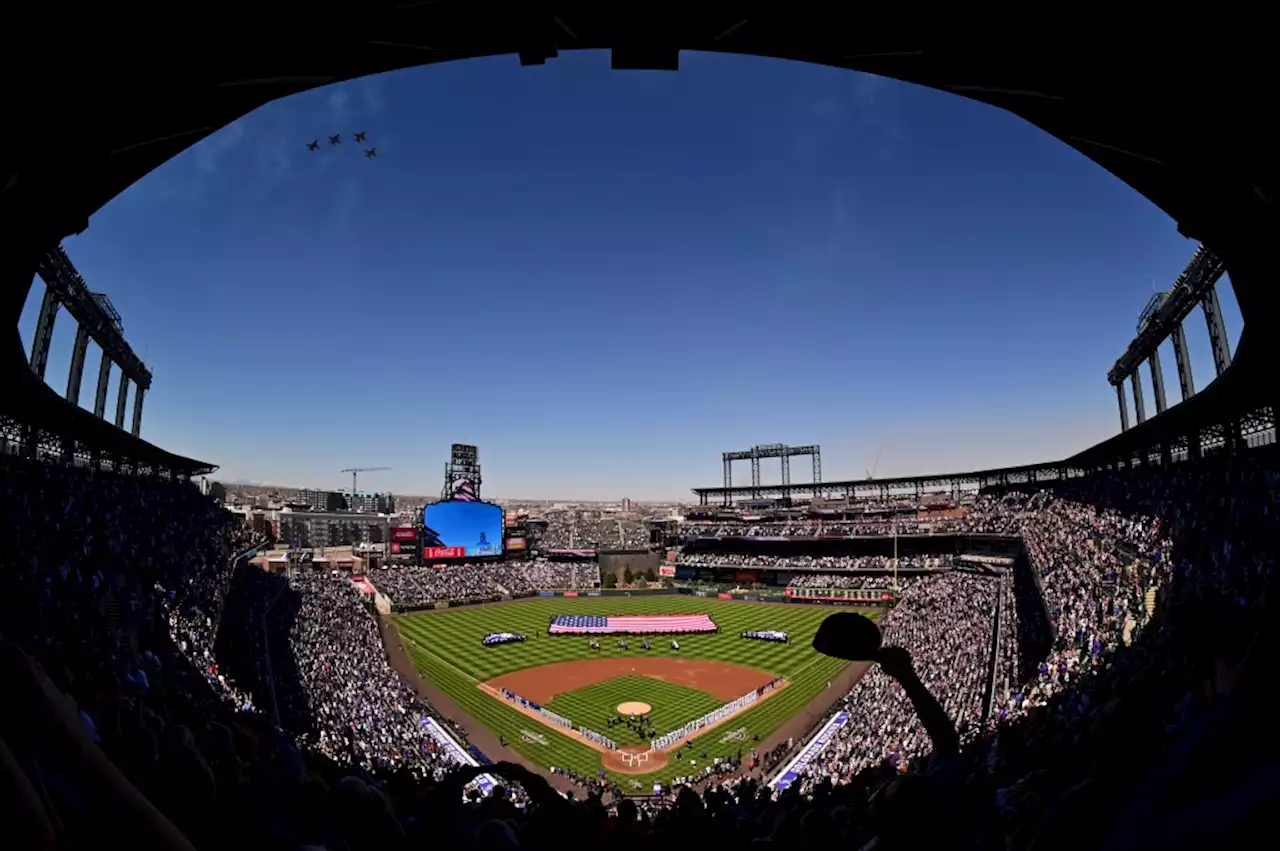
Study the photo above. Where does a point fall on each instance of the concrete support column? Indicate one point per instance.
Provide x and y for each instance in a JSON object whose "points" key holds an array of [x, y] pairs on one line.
{"points": [[138, 396], [1139, 408], [104, 379], [1124, 407], [122, 399], [1186, 382], [1157, 380], [1217, 331], [44, 333], [76, 375]]}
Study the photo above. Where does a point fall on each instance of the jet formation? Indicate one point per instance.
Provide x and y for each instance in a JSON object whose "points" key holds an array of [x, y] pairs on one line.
{"points": [[370, 153]]}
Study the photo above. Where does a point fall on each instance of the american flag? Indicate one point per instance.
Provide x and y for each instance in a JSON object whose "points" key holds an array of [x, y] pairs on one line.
{"points": [[587, 624], [466, 492]]}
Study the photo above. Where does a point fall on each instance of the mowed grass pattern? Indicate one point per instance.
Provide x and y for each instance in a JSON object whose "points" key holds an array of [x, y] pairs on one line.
{"points": [[446, 647], [672, 705]]}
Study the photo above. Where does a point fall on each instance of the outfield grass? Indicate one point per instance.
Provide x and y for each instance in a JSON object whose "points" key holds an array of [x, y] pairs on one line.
{"points": [[446, 647]]}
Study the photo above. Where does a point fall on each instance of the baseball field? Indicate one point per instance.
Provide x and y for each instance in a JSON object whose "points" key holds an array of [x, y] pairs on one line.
{"points": [[590, 687]]}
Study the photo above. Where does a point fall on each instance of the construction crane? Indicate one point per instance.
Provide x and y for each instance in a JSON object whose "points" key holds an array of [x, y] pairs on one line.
{"points": [[354, 471], [871, 474]]}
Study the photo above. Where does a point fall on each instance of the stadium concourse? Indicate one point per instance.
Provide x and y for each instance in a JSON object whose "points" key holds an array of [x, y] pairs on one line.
{"points": [[1032, 706]]}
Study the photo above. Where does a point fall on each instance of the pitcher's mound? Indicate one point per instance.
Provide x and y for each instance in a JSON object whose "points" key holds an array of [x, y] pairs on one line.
{"points": [[634, 707]]}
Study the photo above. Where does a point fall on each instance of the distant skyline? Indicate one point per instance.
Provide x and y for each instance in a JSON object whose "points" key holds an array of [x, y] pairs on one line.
{"points": [[242, 483], [605, 279]]}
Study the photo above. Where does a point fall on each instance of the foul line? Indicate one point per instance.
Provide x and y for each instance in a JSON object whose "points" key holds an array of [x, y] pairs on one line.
{"points": [[440, 659], [812, 662], [524, 710]]}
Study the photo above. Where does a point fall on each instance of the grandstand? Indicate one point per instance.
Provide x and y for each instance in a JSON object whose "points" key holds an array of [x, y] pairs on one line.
{"points": [[162, 693]]}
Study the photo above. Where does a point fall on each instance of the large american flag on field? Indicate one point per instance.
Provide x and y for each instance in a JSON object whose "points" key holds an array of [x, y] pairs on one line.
{"points": [[588, 624]]}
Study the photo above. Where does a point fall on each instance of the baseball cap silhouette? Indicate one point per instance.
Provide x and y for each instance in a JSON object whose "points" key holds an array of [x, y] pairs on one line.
{"points": [[848, 635]]}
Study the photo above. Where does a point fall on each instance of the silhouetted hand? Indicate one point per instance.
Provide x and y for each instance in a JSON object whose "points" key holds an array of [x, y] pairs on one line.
{"points": [[896, 662], [37, 702], [126, 816]]}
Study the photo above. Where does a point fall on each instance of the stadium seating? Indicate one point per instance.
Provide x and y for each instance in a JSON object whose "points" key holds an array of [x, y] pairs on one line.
{"points": [[158, 694], [422, 586]]}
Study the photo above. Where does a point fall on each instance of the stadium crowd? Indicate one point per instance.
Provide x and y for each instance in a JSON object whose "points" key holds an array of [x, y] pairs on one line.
{"points": [[825, 563], [348, 703], [946, 622], [1152, 583], [578, 530], [847, 581], [1142, 725], [984, 514], [412, 586]]}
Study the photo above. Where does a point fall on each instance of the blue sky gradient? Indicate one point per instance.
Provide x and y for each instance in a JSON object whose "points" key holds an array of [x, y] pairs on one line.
{"points": [[605, 279]]}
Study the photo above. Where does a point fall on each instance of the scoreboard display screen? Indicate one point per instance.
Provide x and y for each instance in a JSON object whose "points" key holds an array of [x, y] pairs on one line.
{"points": [[461, 529]]}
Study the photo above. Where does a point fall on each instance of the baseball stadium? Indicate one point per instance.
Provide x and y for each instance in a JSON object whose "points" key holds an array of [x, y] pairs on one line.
{"points": [[669, 681], [340, 232]]}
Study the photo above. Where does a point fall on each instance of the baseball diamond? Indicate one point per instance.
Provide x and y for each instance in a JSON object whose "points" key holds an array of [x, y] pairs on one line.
{"points": [[588, 681]]}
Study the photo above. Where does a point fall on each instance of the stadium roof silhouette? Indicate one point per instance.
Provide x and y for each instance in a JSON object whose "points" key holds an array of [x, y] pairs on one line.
{"points": [[1181, 110]]}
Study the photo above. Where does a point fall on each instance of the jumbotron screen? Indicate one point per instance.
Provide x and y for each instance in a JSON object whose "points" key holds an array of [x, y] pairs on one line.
{"points": [[461, 529]]}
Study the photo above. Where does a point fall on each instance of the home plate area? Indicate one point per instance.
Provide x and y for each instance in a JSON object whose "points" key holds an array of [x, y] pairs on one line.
{"points": [[634, 759], [634, 712]]}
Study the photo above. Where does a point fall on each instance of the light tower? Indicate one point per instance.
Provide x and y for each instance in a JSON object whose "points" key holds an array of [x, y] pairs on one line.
{"points": [[462, 473]]}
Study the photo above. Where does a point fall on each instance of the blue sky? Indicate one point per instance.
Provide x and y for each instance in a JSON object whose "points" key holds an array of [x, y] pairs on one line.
{"points": [[605, 279]]}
